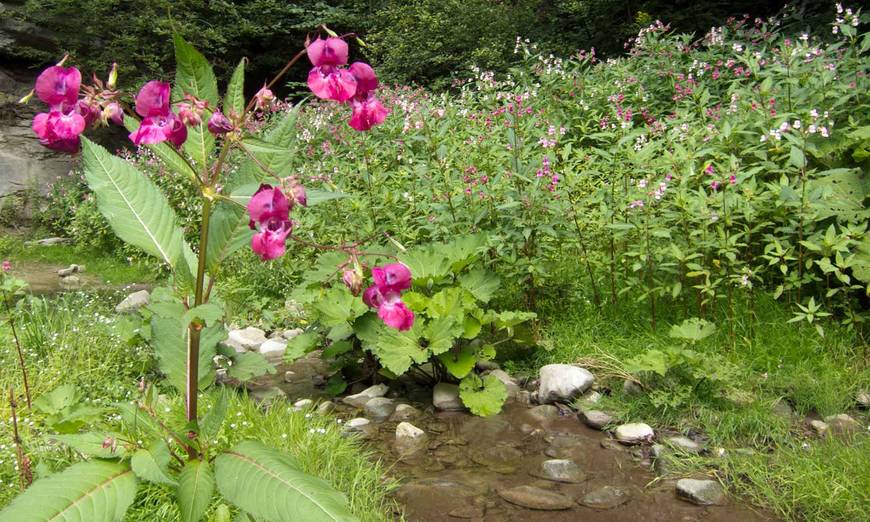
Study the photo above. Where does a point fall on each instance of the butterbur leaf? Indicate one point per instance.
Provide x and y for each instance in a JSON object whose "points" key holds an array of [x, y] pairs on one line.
{"points": [[483, 396], [268, 484], [481, 283], [336, 384], [693, 329], [301, 345], [195, 489], [152, 463], [427, 264], [338, 306], [396, 350], [441, 332], [459, 362], [93, 491]]}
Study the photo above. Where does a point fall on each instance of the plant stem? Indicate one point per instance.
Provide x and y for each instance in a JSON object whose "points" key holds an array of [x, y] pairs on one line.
{"points": [[595, 295], [24, 472], [20, 351]]}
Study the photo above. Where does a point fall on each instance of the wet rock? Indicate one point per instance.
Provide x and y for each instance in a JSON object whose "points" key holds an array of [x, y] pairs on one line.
{"points": [[660, 461], [445, 397], [500, 459], [631, 388], [563, 382], [273, 350], [487, 365], [380, 408], [70, 270], [820, 427], [303, 404], [531, 497], [360, 399], [409, 439], [685, 444], [72, 282], [325, 407], [289, 376], [405, 412], [611, 444], [634, 433], [468, 512], [544, 411], [842, 424], [596, 419], [133, 302], [290, 334], [358, 425], [524, 398], [560, 470], [606, 497], [509, 382], [701, 492], [782, 409], [589, 399], [245, 339]]}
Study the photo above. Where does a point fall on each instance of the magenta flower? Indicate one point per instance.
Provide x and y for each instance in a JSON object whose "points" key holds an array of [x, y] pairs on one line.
{"points": [[7, 266], [366, 79], [113, 112], [189, 114], [394, 277], [58, 86], [732, 179], [153, 99], [714, 185], [395, 314], [269, 211], [326, 79], [159, 123], [385, 295], [264, 98], [219, 124], [367, 113], [59, 130]]}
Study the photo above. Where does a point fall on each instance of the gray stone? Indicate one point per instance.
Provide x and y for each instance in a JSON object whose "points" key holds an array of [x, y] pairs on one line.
{"points": [[606, 497], [524, 398], [357, 423], [560, 470], [290, 334], [70, 270], [820, 427], [72, 282], [360, 399], [531, 497], [472, 512], [863, 399], [289, 376], [268, 395], [634, 433], [563, 382], [303, 404], [409, 439], [133, 302], [380, 408], [596, 419], [659, 454], [701, 492], [842, 424], [510, 383], [484, 365], [273, 350], [51, 241], [782, 409], [630, 387], [611, 444], [544, 411], [405, 412], [325, 407], [246, 339], [445, 397], [685, 444], [589, 399]]}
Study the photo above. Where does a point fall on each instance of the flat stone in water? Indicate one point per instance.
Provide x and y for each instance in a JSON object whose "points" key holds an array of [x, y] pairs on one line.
{"points": [[544, 411], [634, 433], [596, 419], [405, 412], [360, 399], [701, 492], [380, 408], [560, 470], [468, 512], [500, 459], [536, 498], [445, 397], [607, 497]]}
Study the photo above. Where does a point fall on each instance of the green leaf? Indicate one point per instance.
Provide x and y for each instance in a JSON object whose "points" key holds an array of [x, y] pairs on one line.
{"points": [[211, 422], [338, 306], [447, 303], [165, 152], [301, 345], [234, 100], [170, 339], [441, 333], [56, 400], [796, 157], [484, 396], [337, 348], [397, 350], [228, 231], [94, 491], [470, 327], [137, 422], [426, 263], [134, 207], [249, 365], [459, 363], [194, 75], [208, 313], [91, 444], [152, 464], [692, 329], [649, 361], [195, 489], [481, 283], [268, 484]]}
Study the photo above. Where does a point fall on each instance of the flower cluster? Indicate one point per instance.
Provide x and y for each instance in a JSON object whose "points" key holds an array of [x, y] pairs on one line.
{"points": [[355, 85], [159, 123], [269, 212], [386, 295], [68, 115]]}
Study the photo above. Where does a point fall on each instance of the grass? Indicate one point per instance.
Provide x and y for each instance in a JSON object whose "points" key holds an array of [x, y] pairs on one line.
{"points": [[76, 339], [797, 476], [108, 268]]}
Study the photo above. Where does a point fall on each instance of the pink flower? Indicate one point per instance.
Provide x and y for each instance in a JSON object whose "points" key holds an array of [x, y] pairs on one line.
{"points": [[373, 297], [714, 185], [394, 277], [367, 113], [159, 123], [219, 124], [59, 85], [59, 130], [114, 113], [330, 52], [91, 112], [7, 266], [270, 241], [264, 98], [395, 314], [153, 99], [366, 79], [732, 179], [189, 114], [326, 80], [266, 204]]}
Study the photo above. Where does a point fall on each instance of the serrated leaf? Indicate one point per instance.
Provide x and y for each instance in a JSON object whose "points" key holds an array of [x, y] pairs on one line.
{"points": [[91, 444], [228, 231], [211, 422], [446, 303], [249, 365], [338, 306], [94, 491], [470, 327], [459, 362], [170, 339], [268, 484], [337, 348], [56, 400], [481, 283], [152, 463], [484, 396], [396, 350], [440, 334], [165, 152], [194, 75], [137, 422], [195, 489], [692, 329], [208, 313], [134, 207], [426, 263], [301, 345], [234, 99]]}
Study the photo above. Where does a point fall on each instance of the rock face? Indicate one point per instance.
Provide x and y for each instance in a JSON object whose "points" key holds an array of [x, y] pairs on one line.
{"points": [[133, 302], [445, 397], [607, 497], [246, 339], [701, 492], [634, 433], [273, 350], [409, 439], [596, 419], [536, 498], [360, 399], [560, 470], [563, 382]]}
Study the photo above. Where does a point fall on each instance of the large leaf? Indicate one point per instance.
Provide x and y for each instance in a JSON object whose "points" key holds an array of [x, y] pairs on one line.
{"points": [[228, 231], [104, 445], [234, 100], [483, 396], [274, 152], [441, 333], [170, 339], [195, 489], [194, 75], [95, 491], [481, 283], [396, 350], [250, 365], [134, 207], [268, 484], [459, 362], [152, 463]]}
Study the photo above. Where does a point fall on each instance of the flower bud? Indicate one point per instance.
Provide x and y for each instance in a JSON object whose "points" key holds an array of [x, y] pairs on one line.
{"points": [[189, 114], [113, 77], [295, 191], [353, 280], [7, 266], [219, 124], [113, 112], [264, 98], [26, 98]]}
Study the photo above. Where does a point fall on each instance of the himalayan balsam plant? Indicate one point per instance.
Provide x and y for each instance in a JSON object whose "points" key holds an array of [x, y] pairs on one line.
{"points": [[197, 135]]}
